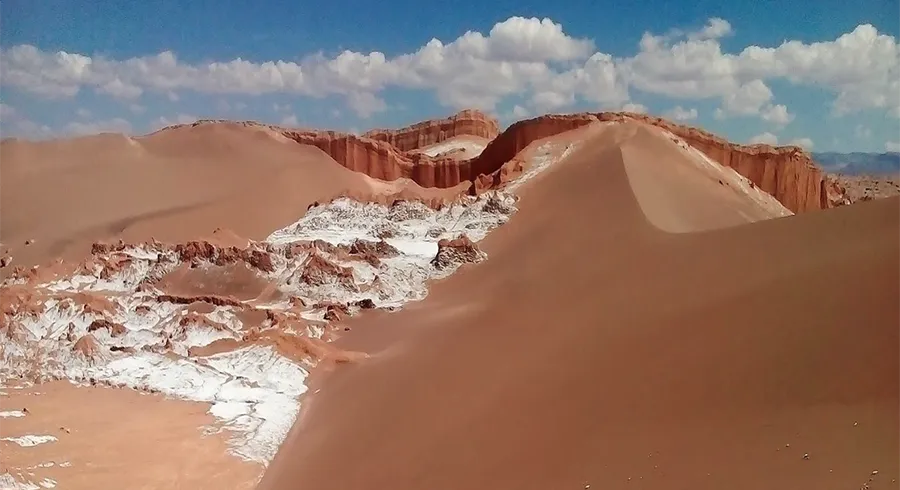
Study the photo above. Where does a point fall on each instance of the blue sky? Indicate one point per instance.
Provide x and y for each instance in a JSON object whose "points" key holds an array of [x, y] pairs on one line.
{"points": [[824, 75]]}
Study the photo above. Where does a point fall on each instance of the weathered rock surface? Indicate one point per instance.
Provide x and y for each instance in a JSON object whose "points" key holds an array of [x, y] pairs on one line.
{"points": [[456, 252], [465, 123], [788, 173]]}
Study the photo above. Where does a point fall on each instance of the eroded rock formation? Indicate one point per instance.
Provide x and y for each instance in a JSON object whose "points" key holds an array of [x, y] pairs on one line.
{"points": [[465, 123], [456, 252], [787, 173]]}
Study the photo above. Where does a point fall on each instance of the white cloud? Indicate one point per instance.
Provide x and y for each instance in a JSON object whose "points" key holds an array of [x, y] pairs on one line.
{"points": [[680, 114], [290, 120], [120, 90], [862, 132], [805, 143], [365, 104], [747, 100], [892, 146], [766, 138], [519, 112], [83, 113], [635, 108], [551, 101], [162, 121], [116, 125], [527, 57], [473, 70], [714, 29], [777, 115], [7, 111], [30, 129], [527, 40]]}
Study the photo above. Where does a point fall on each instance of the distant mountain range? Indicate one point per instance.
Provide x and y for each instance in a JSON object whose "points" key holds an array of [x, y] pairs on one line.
{"points": [[859, 163]]}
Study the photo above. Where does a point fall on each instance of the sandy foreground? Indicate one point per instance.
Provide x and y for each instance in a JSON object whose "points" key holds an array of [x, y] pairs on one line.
{"points": [[594, 349], [642, 316], [59, 435]]}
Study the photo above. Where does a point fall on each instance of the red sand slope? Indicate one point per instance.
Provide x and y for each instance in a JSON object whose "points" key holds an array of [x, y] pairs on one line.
{"points": [[174, 185], [592, 348]]}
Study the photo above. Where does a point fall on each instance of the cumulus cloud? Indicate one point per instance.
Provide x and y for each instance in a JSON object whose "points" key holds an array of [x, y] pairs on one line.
{"points": [[766, 138], [473, 70], [777, 115], [532, 58], [29, 129], [365, 104], [805, 143], [519, 111], [635, 108], [80, 128], [680, 114], [162, 121], [6, 111]]}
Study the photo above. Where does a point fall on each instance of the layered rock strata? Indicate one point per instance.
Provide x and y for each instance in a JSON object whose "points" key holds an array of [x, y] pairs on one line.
{"points": [[788, 173], [465, 123]]}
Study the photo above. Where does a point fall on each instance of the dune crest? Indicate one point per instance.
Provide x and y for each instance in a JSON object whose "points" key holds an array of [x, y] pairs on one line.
{"points": [[788, 173]]}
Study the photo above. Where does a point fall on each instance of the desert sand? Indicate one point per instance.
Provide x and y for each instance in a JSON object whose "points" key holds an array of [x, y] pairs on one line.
{"points": [[593, 348], [583, 301], [108, 438]]}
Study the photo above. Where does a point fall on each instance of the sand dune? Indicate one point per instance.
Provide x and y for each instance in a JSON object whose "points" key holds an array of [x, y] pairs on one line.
{"points": [[614, 309], [595, 348], [174, 185]]}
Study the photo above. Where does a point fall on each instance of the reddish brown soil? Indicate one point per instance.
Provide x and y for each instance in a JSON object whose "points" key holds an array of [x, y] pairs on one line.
{"points": [[592, 348]]}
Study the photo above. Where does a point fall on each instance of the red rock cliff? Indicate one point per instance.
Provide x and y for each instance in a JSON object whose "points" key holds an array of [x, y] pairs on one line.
{"points": [[465, 123], [787, 173], [382, 160]]}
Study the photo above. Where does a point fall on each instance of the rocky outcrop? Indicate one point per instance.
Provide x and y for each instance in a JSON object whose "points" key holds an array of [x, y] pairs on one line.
{"points": [[381, 160], [787, 173], [114, 329], [465, 123], [460, 250]]}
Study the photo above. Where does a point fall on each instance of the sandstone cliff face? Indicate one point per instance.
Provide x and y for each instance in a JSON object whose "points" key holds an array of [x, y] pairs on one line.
{"points": [[382, 160], [787, 173], [465, 123]]}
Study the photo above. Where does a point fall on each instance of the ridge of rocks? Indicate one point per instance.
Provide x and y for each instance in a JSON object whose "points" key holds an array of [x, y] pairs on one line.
{"points": [[788, 173], [468, 122]]}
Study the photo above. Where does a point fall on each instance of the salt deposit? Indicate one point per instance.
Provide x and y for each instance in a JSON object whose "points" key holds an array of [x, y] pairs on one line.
{"points": [[30, 440], [150, 344]]}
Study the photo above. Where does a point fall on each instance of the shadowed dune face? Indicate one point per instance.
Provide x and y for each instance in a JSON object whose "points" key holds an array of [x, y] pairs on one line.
{"points": [[593, 347]]}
